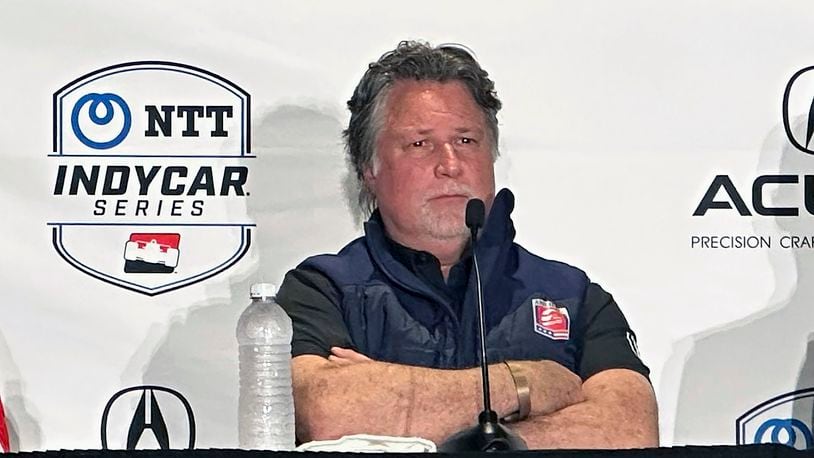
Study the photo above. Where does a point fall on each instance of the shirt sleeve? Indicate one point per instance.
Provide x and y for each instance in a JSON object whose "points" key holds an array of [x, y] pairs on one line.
{"points": [[608, 342], [312, 302]]}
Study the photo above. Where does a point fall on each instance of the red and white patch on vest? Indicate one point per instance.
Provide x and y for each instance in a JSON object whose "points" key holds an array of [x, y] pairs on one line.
{"points": [[550, 320]]}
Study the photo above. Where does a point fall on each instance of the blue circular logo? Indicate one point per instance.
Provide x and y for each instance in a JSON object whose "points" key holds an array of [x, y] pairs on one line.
{"points": [[106, 101], [784, 431]]}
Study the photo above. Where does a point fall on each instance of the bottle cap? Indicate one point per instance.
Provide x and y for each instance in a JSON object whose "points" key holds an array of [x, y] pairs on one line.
{"points": [[260, 290]]}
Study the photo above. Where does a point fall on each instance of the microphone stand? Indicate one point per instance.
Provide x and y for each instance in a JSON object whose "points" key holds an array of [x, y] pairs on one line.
{"points": [[488, 435]]}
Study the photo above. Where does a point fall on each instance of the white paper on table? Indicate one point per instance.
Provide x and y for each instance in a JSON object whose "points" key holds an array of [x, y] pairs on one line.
{"points": [[368, 443]]}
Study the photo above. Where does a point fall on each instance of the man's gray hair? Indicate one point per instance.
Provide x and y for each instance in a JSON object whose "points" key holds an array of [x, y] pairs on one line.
{"points": [[411, 60]]}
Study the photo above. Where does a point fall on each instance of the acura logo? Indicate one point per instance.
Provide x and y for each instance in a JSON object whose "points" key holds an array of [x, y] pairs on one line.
{"points": [[798, 99], [147, 417]]}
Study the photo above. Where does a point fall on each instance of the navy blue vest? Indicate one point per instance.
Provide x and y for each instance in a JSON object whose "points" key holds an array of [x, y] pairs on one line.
{"points": [[532, 304]]}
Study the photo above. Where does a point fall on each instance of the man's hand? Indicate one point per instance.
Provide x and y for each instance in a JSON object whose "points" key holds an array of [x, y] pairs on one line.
{"points": [[551, 386], [346, 357]]}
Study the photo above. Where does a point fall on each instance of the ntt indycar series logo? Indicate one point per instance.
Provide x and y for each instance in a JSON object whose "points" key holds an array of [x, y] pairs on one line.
{"points": [[151, 171]]}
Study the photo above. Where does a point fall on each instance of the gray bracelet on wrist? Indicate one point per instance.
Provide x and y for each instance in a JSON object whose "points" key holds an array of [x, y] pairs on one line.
{"points": [[521, 384]]}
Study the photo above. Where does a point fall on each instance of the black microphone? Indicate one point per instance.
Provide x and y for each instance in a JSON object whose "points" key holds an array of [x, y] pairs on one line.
{"points": [[488, 435], [475, 214]]}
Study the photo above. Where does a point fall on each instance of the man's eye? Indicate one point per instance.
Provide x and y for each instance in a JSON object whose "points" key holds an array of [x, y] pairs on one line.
{"points": [[418, 144], [467, 140]]}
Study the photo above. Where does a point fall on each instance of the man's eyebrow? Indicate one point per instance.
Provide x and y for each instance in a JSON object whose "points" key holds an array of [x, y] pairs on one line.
{"points": [[473, 130], [460, 130]]}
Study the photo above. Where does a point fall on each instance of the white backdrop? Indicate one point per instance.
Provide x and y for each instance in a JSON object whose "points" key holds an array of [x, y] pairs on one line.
{"points": [[617, 116]]}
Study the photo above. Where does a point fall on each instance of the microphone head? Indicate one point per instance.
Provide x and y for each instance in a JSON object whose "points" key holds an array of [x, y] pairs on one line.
{"points": [[475, 213]]}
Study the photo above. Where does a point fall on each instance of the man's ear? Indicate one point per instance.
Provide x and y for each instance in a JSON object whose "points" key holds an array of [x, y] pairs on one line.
{"points": [[370, 179]]}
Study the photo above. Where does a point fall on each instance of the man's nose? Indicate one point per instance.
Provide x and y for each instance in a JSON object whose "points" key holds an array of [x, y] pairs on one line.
{"points": [[449, 164]]}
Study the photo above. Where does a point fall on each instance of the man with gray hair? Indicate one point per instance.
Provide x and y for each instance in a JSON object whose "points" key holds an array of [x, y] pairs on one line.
{"points": [[385, 334]]}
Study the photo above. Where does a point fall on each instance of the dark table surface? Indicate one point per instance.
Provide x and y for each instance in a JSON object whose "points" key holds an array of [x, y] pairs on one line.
{"points": [[743, 451]]}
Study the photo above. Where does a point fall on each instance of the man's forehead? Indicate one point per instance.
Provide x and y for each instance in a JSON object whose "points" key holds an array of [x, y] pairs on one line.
{"points": [[415, 106], [429, 89]]}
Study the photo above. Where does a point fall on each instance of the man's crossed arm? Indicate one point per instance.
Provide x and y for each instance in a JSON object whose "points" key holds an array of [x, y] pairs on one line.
{"points": [[349, 393]]}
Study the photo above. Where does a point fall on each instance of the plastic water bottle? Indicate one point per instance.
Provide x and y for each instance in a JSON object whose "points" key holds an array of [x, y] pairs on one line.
{"points": [[266, 404]]}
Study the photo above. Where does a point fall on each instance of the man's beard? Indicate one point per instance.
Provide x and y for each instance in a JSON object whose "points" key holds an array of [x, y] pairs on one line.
{"points": [[443, 225]]}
